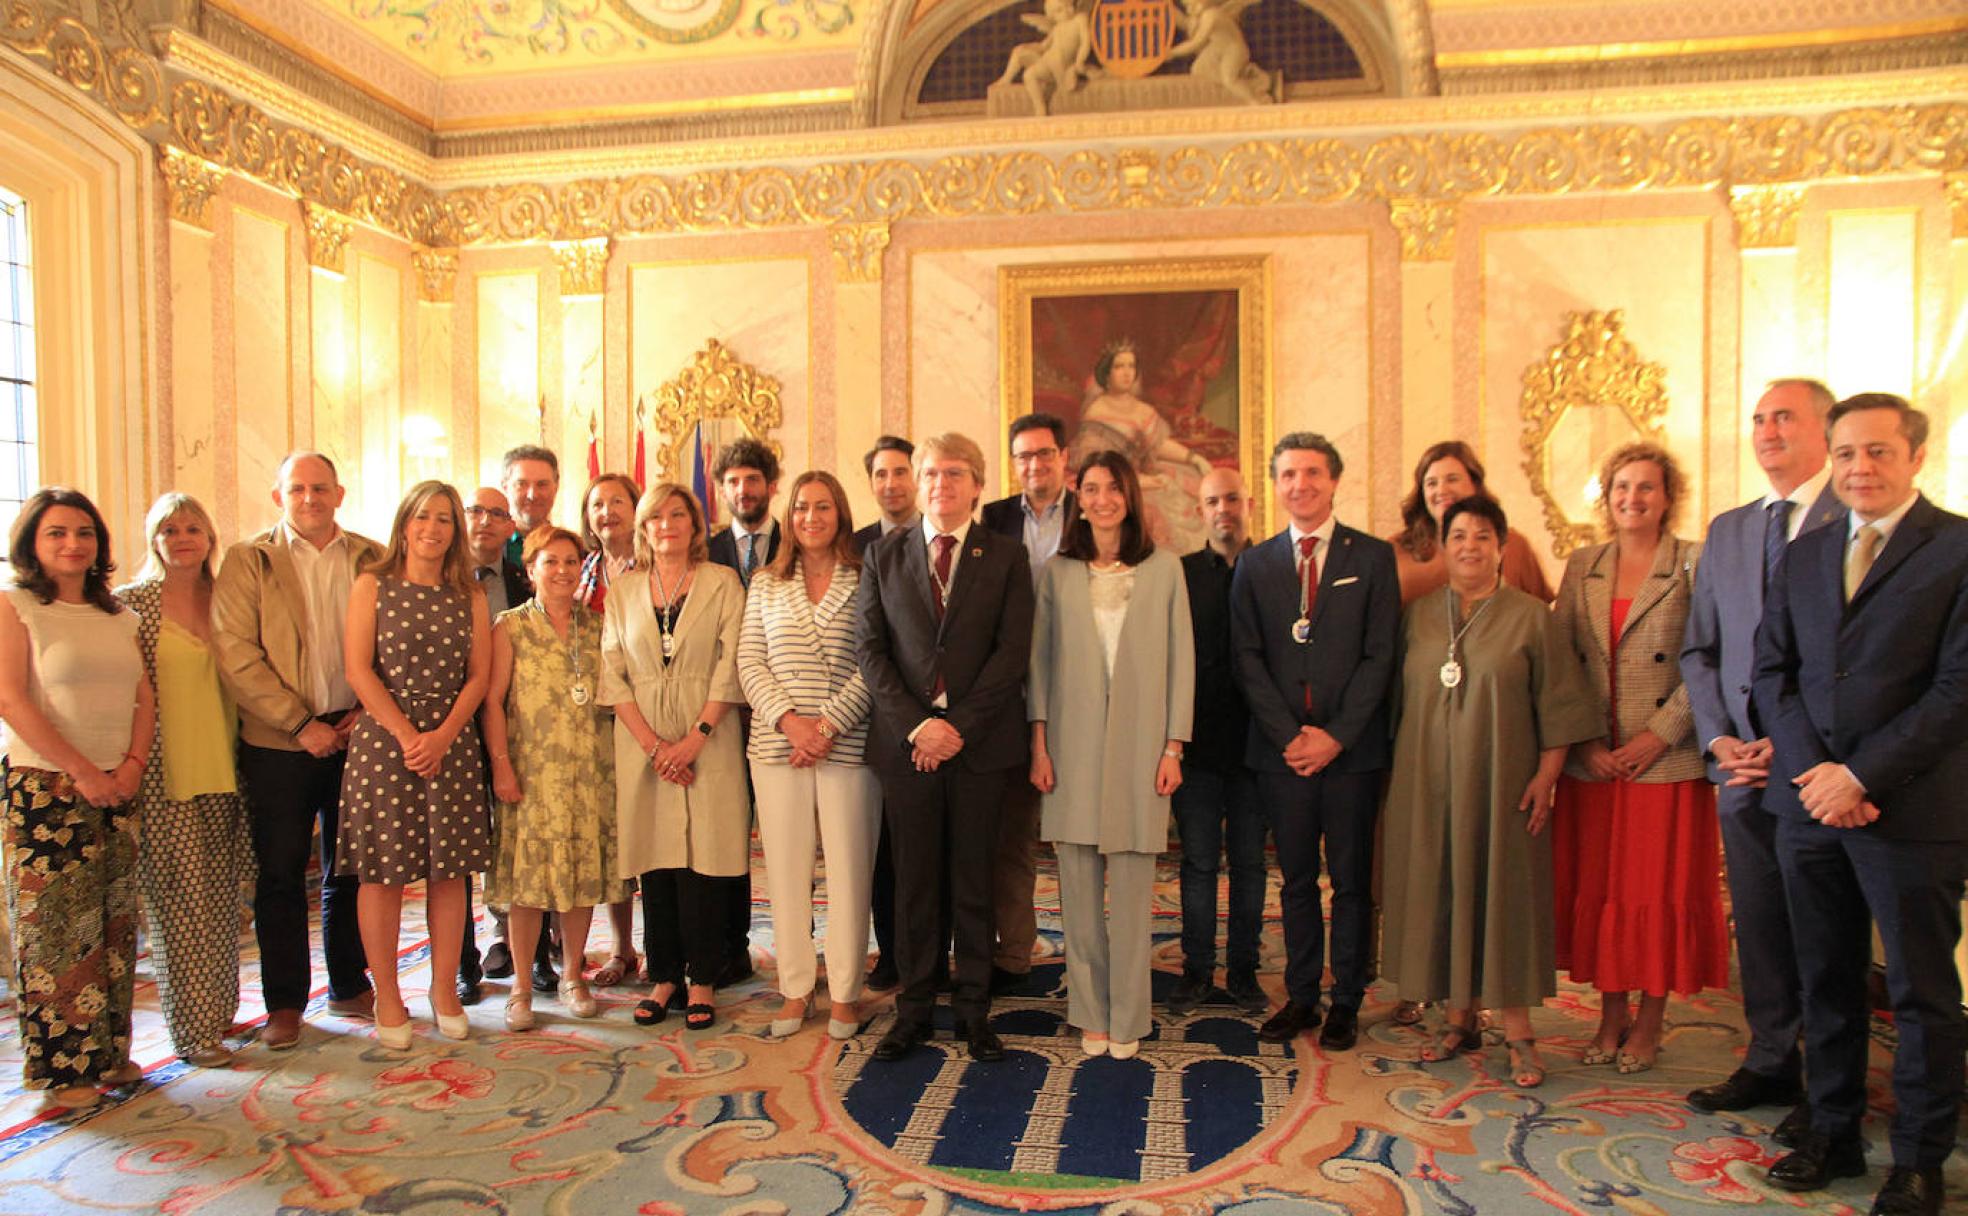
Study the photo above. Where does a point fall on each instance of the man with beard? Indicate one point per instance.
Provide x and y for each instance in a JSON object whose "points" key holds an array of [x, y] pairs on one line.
{"points": [[531, 478], [747, 476]]}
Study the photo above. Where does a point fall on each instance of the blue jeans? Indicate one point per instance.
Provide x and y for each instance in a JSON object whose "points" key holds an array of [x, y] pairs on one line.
{"points": [[1213, 810]]}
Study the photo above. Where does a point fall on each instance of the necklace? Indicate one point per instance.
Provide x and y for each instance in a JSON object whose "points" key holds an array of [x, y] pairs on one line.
{"points": [[1451, 672], [577, 683], [666, 616]]}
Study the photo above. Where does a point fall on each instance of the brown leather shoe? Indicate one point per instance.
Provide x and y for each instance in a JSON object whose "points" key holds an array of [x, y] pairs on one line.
{"points": [[360, 1007], [282, 1030]]}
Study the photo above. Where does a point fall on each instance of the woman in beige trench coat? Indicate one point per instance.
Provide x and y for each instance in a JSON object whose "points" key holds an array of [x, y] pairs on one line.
{"points": [[1110, 696], [669, 668]]}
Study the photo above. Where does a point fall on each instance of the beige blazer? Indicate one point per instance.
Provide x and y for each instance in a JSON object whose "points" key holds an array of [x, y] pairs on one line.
{"points": [[259, 631], [796, 656], [1106, 736], [1651, 695], [707, 826]]}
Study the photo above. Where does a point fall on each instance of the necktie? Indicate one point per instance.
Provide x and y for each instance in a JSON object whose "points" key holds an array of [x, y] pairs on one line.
{"points": [[1308, 582], [751, 557], [1865, 547], [944, 546], [1776, 536]]}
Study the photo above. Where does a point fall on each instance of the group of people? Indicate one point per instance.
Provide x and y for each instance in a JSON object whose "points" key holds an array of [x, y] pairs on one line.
{"points": [[1503, 780]]}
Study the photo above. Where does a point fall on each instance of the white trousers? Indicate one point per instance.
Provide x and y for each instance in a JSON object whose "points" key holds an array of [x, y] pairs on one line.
{"points": [[837, 807], [1106, 901]]}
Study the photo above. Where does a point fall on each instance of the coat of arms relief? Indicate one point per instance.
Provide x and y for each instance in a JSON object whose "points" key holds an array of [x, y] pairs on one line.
{"points": [[1101, 55]]}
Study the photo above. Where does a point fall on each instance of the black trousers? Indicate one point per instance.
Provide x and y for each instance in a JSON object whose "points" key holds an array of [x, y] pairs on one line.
{"points": [[1338, 810], [685, 925], [951, 812], [882, 902], [287, 794], [1839, 882]]}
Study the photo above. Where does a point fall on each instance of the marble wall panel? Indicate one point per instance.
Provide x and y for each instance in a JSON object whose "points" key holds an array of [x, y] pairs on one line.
{"points": [[379, 392], [192, 467], [1871, 318], [262, 361], [760, 309], [507, 341]]}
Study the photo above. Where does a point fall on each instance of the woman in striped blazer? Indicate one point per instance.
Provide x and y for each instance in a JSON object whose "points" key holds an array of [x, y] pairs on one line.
{"points": [[809, 728]]}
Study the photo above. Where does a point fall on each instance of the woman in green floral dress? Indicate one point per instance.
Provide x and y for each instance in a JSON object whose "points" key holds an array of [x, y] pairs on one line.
{"points": [[553, 768]]}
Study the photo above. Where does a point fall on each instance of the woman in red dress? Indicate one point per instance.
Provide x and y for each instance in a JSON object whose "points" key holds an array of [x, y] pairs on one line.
{"points": [[1635, 847]]}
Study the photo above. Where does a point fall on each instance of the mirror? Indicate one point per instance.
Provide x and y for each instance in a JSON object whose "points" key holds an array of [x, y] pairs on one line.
{"points": [[714, 400], [1590, 393]]}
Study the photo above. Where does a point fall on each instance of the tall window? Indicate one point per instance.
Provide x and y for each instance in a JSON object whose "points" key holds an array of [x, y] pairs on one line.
{"points": [[19, 469]]}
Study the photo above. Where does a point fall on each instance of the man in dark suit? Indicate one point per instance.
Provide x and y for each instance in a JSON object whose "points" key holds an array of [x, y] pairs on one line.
{"points": [[892, 481], [1315, 616], [1718, 660], [747, 477], [1862, 676], [1037, 516], [944, 636]]}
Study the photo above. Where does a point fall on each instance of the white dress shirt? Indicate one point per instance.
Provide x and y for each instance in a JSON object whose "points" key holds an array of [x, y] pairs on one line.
{"points": [[1323, 534], [326, 576]]}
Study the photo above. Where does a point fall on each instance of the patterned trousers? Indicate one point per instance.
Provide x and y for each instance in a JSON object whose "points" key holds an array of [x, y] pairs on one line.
{"points": [[72, 896], [194, 858]]}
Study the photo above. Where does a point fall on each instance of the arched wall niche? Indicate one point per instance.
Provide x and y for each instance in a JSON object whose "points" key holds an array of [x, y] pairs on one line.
{"points": [[89, 187], [1391, 42]]}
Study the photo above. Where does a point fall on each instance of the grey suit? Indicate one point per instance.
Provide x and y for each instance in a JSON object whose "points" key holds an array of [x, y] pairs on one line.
{"points": [[1718, 656]]}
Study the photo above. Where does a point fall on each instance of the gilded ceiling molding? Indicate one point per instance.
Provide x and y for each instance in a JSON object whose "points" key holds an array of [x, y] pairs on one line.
{"points": [[1427, 228], [327, 236], [858, 250], [1766, 216], [190, 184], [437, 273], [1957, 196], [1414, 47], [583, 265]]}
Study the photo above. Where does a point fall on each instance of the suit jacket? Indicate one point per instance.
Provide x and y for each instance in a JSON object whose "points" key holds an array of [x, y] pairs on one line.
{"points": [[1718, 652], [865, 537], [1007, 518], [1651, 694], [724, 548], [1349, 665], [1105, 734], [1879, 685], [796, 656], [259, 631], [519, 588], [980, 648]]}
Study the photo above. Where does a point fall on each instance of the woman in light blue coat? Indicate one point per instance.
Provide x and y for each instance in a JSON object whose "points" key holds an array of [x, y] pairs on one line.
{"points": [[1110, 696]]}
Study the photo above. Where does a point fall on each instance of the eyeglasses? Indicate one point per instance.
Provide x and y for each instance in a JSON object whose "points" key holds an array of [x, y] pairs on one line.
{"points": [[1036, 454], [488, 513]]}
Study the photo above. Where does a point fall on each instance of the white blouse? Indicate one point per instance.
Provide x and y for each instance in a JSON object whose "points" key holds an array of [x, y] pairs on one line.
{"points": [[1110, 591], [82, 673]]}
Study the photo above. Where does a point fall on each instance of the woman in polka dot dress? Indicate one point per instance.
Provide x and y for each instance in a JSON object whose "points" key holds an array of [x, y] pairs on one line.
{"points": [[418, 653]]}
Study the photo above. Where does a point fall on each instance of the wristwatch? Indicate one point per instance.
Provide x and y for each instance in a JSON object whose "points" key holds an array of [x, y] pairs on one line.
{"points": [[826, 729], [704, 729]]}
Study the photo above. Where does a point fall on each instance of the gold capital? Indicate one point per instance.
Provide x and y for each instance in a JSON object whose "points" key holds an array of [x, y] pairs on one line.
{"points": [[437, 273], [190, 181], [583, 266], [328, 235], [1427, 227], [1766, 216], [858, 250]]}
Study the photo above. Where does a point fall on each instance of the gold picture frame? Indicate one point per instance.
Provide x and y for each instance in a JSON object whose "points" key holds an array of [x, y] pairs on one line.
{"points": [[1200, 331]]}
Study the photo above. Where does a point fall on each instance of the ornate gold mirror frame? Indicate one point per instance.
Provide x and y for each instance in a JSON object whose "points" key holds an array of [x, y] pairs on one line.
{"points": [[1593, 367], [715, 385]]}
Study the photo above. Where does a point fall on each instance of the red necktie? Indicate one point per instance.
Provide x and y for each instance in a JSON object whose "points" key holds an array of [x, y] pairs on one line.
{"points": [[1308, 581], [941, 585]]}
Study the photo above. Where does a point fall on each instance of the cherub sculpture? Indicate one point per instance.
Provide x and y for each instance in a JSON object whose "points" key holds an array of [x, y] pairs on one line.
{"points": [[1221, 53], [1058, 64]]}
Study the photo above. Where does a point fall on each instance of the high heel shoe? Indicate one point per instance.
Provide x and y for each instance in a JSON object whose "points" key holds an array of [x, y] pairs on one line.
{"points": [[1526, 1067], [451, 1025], [1092, 1044], [793, 1014], [844, 1020], [577, 998], [397, 1037], [1123, 1049], [700, 1015], [650, 1011], [519, 1010]]}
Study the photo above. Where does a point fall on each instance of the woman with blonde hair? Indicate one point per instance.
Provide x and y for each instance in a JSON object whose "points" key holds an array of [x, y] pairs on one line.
{"points": [[194, 851], [1636, 848], [418, 654], [79, 715], [669, 668], [809, 730]]}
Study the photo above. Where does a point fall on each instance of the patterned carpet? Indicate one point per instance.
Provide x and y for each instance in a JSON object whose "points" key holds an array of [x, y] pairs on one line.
{"points": [[594, 1117]]}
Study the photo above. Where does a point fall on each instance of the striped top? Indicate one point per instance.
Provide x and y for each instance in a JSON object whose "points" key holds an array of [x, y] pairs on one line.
{"points": [[798, 656]]}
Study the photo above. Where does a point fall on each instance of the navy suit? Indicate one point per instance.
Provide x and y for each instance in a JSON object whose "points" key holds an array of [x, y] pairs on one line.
{"points": [[1338, 681], [1718, 661], [738, 891], [1881, 686], [978, 651]]}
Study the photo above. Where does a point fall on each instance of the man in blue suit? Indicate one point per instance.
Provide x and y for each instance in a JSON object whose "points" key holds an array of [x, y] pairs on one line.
{"points": [[1862, 676], [1718, 659], [1315, 616]]}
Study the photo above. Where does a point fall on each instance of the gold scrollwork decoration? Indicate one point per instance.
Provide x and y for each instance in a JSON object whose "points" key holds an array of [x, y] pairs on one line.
{"points": [[1957, 197], [190, 182], [128, 80], [716, 384], [858, 250], [1593, 370], [328, 236], [1766, 216], [1427, 228], [583, 266]]}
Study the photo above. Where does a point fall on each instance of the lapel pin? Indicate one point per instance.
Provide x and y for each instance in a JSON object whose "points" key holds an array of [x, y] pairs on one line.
{"points": [[977, 553]]}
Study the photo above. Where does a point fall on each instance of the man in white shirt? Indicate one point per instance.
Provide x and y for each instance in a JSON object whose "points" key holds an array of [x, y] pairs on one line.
{"points": [[1743, 550], [278, 609]]}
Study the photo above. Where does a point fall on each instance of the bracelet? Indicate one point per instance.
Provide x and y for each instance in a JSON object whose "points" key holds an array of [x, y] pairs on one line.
{"points": [[133, 756], [655, 747], [1173, 753], [502, 756]]}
